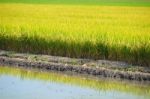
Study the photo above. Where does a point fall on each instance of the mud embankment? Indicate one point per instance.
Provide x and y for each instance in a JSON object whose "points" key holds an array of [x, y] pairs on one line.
{"points": [[100, 68]]}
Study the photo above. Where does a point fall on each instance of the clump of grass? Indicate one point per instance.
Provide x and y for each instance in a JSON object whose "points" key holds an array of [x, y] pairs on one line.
{"points": [[97, 32]]}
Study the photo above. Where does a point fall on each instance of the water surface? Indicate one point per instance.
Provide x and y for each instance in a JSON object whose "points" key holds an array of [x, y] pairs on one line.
{"points": [[17, 83]]}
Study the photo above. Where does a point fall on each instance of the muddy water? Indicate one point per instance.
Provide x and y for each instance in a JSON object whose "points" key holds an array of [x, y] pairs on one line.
{"points": [[17, 83]]}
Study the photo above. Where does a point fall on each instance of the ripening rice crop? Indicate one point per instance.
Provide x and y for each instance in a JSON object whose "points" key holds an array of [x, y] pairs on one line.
{"points": [[82, 31]]}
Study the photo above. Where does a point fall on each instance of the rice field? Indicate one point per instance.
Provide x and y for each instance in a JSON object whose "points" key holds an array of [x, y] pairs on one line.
{"points": [[96, 84], [98, 31], [84, 2]]}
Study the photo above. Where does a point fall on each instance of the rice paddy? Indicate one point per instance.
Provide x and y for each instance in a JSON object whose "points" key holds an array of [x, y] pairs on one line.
{"points": [[24, 83], [98, 31]]}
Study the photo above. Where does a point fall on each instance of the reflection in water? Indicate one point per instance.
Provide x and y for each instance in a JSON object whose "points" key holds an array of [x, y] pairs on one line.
{"points": [[22, 83]]}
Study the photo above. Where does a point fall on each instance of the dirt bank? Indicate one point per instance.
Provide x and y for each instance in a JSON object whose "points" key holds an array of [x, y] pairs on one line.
{"points": [[103, 68]]}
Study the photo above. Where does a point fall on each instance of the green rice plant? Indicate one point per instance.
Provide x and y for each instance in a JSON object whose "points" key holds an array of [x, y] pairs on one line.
{"points": [[84, 2], [119, 33]]}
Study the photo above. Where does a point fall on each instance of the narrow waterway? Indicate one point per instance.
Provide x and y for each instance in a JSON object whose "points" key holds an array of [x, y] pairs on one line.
{"points": [[20, 83]]}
